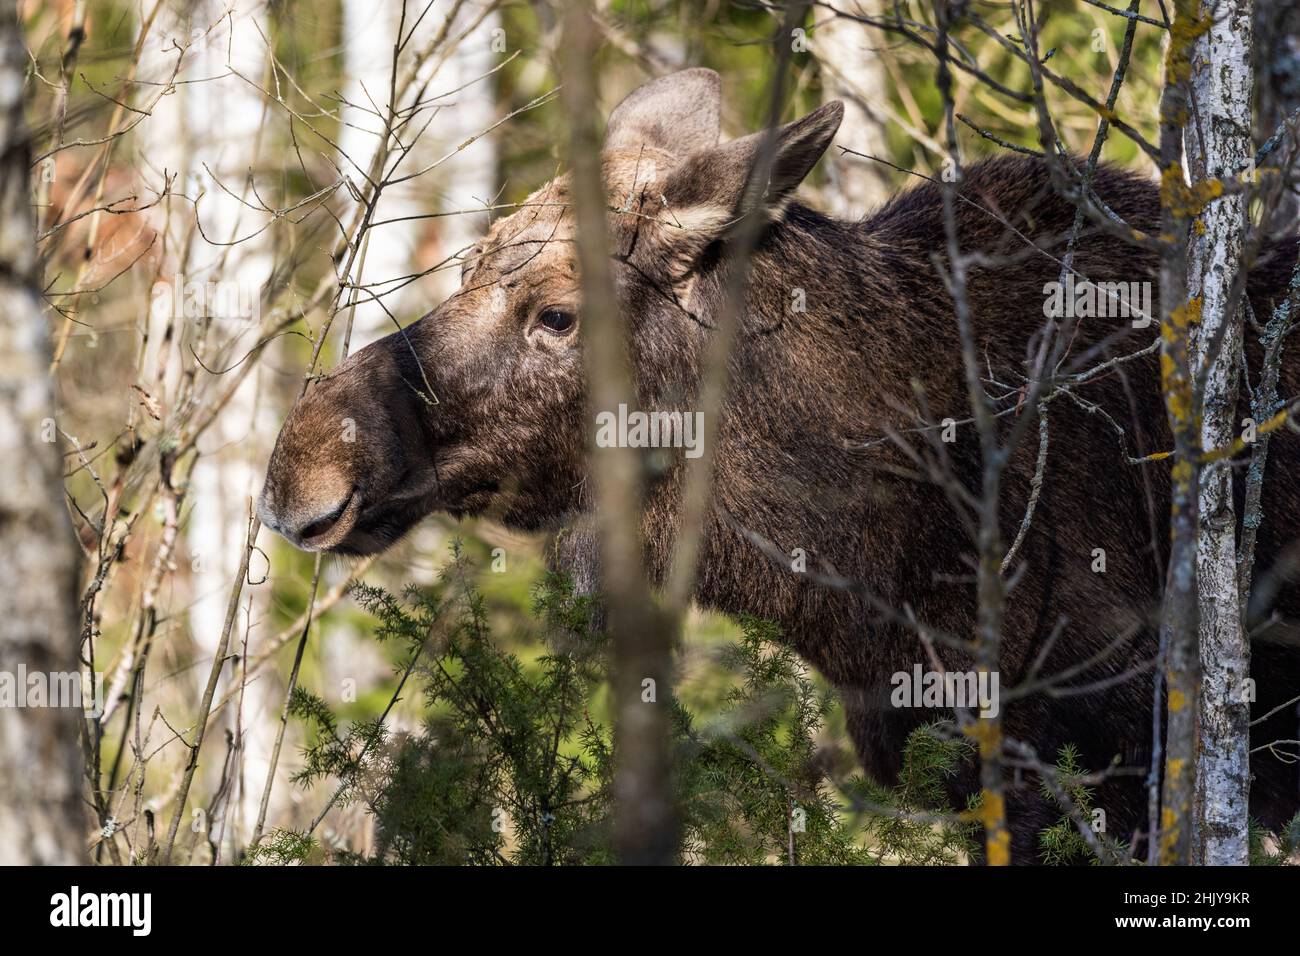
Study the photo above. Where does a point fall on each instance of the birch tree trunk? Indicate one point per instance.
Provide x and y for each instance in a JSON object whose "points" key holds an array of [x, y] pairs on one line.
{"points": [[852, 72], [41, 820], [1218, 143], [408, 241], [214, 160], [228, 473]]}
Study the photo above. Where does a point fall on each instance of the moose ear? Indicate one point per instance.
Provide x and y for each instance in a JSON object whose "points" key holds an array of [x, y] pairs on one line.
{"points": [[678, 113], [707, 190]]}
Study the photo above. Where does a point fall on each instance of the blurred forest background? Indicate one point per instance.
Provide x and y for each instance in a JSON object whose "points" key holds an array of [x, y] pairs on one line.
{"points": [[211, 234]]}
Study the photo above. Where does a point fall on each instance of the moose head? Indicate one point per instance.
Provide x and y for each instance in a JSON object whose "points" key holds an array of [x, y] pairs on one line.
{"points": [[480, 406]]}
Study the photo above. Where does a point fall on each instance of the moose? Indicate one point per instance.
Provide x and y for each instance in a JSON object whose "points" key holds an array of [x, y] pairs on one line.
{"points": [[480, 408]]}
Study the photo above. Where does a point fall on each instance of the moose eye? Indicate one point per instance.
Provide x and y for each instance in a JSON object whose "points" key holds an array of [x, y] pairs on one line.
{"points": [[556, 320]]}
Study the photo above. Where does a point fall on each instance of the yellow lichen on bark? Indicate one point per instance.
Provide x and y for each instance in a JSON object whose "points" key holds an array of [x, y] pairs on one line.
{"points": [[993, 814], [1183, 33], [1175, 381], [1184, 201], [992, 810]]}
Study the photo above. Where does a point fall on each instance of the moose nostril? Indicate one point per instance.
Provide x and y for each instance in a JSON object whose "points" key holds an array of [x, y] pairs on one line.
{"points": [[321, 525]]}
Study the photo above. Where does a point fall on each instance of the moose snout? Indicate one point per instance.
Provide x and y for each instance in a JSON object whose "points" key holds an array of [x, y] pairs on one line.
{"points": [[311, 526]]}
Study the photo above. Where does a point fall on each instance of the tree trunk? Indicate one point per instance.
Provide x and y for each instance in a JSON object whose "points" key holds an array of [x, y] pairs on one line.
{"points": [[645, 823], [1178, 314], [228, 472], [1218, 143], [41, 819], [459, 102], [852, 72]]}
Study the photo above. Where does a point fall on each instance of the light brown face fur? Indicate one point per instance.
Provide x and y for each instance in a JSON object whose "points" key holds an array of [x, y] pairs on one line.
{"points": [[473, 408], [480, 406]]}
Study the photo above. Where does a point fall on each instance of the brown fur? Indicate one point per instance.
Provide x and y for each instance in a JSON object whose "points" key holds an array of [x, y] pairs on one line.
{"points": [[797, 458]]}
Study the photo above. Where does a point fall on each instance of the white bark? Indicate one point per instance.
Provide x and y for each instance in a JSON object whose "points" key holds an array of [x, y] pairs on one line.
{"points": [[41, 817], [211, 130], [465, 181], [228, 474], [852, 72], [1223, 87]]}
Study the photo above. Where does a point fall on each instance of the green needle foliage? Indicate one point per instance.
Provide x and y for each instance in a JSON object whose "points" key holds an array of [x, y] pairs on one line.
{"points": [[933, 753], [514, 764], [1267, 849], [751, 785], [1062, 844]]}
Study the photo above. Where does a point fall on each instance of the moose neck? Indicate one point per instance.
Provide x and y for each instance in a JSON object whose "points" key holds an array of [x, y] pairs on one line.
{"points": [[809, 372]]}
